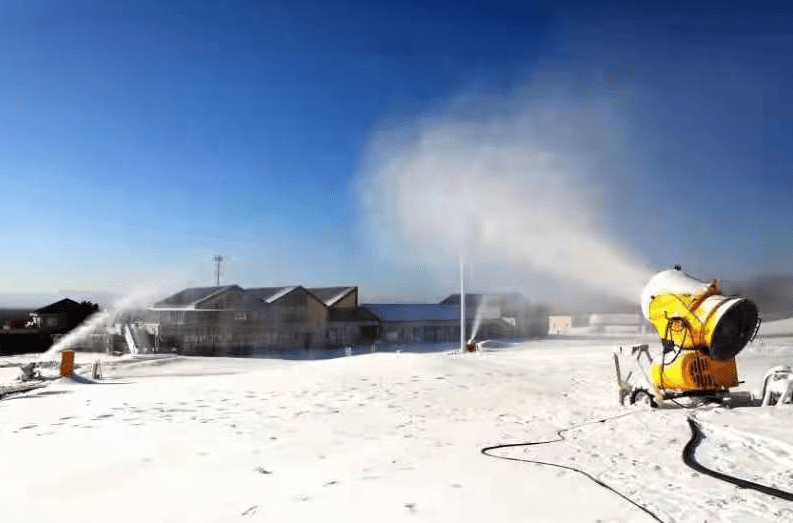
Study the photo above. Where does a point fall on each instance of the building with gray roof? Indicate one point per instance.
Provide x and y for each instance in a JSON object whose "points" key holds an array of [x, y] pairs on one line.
{"points": [[233, 320]]}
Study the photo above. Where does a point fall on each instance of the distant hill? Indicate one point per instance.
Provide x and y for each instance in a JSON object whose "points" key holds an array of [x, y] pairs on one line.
{"points": [[773, 294]]}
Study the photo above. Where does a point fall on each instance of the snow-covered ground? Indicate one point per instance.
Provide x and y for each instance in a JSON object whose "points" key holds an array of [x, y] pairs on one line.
{"points": [[382, 437]]}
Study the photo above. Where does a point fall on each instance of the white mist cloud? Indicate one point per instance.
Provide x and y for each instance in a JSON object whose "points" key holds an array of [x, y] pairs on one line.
{"points": [[138, 296], [517, 183]]}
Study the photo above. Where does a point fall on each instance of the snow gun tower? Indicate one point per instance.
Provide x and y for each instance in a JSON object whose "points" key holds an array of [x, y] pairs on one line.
{"points": [[701, 332]]}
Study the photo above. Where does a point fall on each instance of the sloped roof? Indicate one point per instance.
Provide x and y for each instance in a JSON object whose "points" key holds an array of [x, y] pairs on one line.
{"points": [[189, 297], [403, 312], [331, 295], [249, 299], [246, 302], [65, 305], [269, 294]]}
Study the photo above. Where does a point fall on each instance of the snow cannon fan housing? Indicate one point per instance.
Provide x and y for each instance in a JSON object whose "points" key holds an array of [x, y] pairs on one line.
{"points": [[694, 315], [709, 328]]}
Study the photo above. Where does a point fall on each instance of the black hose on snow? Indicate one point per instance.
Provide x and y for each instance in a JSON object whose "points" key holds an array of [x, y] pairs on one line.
{"points": [[688, 459], [560, 437]]}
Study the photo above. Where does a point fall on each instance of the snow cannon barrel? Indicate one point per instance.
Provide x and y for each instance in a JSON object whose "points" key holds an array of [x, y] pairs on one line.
{"points": [[695, 315]]}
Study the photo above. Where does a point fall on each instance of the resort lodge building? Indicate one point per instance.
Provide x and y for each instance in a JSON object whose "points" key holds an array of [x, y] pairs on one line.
{"points": [[230, 320]]}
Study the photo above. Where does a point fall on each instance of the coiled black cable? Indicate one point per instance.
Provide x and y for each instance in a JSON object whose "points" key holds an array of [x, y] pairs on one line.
{"points": [[560, 437]]}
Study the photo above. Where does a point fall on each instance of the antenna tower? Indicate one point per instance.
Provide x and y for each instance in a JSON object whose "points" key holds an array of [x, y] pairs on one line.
{"points": [[218, 259]]}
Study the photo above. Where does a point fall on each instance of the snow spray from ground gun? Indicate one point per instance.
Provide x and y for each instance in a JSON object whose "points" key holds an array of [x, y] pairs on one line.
{"points": [[503, 194]]}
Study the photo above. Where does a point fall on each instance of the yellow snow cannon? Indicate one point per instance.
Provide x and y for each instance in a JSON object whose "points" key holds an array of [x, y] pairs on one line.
{"points": [[704, 330]]}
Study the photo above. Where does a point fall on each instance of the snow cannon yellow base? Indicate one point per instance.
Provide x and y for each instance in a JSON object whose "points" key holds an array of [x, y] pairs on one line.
{"points": [[695, 371]]}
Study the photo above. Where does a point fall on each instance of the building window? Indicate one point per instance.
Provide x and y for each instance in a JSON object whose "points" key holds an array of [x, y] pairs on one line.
{"points": [[335, 335], [240, 316]]}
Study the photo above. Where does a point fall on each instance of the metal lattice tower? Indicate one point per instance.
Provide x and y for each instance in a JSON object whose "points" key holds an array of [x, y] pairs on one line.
{"points": [[218, 259]]}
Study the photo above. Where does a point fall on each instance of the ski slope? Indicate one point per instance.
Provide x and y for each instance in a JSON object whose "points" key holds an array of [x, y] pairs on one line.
{"points": [[384, 437]]}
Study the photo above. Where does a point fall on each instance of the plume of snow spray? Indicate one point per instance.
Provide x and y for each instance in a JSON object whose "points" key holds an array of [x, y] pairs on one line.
{"points": [[100, 319], [518, 189], [480, 309]]}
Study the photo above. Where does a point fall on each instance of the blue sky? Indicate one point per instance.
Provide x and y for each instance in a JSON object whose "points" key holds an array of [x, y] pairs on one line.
{"points": [[138, 140]]}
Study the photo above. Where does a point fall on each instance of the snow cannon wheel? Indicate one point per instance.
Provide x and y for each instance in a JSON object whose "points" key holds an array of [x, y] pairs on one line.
{"points": [[643, 397]]}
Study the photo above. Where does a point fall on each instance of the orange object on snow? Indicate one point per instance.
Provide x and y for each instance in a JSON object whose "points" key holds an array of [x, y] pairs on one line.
{"points": [[67, 363]]}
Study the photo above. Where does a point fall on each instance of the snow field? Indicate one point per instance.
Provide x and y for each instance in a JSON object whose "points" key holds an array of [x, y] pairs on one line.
{"points": [[381, 437]]}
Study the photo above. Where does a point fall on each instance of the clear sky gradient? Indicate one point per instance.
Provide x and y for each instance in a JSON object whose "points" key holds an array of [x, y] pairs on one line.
{"points": [[137, 140]]}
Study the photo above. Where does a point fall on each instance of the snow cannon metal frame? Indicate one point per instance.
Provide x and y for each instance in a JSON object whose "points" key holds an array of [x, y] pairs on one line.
{"points": [[701, 329], [473, 346]]}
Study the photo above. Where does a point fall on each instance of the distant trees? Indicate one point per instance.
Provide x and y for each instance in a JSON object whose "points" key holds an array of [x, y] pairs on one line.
{"points": [[78, 314]]}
